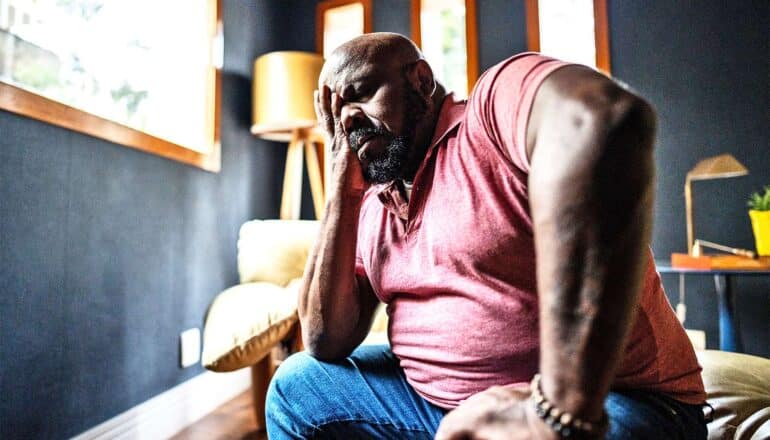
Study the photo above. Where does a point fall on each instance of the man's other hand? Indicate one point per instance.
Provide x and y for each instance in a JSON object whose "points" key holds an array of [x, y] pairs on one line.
{"points": [[497, 413]]}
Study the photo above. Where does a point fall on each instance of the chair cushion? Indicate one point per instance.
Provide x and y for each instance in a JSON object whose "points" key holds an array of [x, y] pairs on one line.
{"points": [[738, 387], [378, 334], [245, 322], [274, 251]]}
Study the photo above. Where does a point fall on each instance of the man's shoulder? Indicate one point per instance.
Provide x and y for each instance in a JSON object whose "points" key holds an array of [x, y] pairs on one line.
{"points": [[516, 66], [502, 98]]}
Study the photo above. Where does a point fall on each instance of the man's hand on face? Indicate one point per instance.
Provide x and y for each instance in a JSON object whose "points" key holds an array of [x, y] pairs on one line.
{"points": [[347, 173], [497, 413]]}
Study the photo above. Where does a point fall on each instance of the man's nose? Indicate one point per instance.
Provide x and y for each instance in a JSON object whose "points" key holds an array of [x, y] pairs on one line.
{"points": [[352, 117]]}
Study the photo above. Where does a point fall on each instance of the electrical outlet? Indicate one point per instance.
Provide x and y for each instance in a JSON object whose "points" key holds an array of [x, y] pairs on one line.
{"points": [[189, 347]]}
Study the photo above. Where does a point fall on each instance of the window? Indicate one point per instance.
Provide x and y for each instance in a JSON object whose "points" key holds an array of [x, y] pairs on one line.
{"points": [[115, 70], [571, 30], [338, 21], [446, 32]]}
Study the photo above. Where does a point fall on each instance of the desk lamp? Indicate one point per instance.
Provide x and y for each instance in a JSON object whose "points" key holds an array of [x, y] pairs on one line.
{"points": [[717, 167], [283, 111]]}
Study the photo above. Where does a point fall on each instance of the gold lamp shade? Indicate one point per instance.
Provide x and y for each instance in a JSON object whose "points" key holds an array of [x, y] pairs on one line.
{"points": [[283, 93], [724, 165], [717, 167]]}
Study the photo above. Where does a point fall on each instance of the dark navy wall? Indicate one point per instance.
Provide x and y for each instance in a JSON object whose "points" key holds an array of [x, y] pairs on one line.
{"points": [[107, 253], [502, 28], [706, 68], [392, 16]]}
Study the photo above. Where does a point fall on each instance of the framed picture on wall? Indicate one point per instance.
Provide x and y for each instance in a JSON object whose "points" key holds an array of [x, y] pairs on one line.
{"points": [[338, 21], [140, 73]]}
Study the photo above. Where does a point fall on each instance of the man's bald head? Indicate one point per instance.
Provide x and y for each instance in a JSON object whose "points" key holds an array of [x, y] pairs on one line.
{"points": [[380, 48], [386, 103]]}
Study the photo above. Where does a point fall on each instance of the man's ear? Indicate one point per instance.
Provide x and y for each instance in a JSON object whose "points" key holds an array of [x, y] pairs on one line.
{"points": [[421, 78]]}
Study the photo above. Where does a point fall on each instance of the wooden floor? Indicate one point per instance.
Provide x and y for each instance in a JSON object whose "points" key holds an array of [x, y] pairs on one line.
{"points": [[232, 421]]}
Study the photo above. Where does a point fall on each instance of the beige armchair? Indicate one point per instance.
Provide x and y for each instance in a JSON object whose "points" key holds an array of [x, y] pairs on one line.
{"points": [[738, 388], [255, 324]]}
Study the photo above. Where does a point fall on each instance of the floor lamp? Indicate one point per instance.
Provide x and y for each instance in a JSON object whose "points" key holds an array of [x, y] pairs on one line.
{"points": [[283, 111]]}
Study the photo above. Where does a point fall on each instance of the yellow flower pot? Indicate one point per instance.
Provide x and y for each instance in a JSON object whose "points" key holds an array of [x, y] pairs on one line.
{"points": [[760, 223]]}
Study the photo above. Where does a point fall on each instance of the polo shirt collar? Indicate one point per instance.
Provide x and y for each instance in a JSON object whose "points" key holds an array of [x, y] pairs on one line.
{"points": [[391, 194], [450, 115]]}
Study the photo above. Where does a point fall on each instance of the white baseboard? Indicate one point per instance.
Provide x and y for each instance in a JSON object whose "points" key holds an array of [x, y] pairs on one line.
{"points": [[171, 411]]}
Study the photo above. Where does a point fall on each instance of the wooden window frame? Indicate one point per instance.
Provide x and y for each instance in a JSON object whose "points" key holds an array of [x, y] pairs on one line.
{"points": [[601, 32], [331, 4], [22, 102], [471, 38]]}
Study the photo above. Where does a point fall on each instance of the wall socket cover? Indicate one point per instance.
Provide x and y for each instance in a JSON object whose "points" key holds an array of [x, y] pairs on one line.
{"points": [[189, 347]]}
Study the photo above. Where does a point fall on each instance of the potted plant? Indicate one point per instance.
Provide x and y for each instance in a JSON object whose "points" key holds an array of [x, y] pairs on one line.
{"points": [[759, 211]]}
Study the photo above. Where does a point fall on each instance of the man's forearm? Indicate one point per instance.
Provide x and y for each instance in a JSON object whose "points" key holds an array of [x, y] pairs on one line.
{"points": [[329, 303], [591, 196]]}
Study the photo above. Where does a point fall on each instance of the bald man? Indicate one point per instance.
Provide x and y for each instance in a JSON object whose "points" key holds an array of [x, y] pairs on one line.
{"points": [[508, 237]]}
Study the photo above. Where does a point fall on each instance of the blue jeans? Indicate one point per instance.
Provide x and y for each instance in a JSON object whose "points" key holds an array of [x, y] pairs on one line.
{"points": [[367, 396]]}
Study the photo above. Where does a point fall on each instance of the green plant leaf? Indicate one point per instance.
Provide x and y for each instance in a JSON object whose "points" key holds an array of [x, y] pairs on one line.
{"points": [[760, 202]]}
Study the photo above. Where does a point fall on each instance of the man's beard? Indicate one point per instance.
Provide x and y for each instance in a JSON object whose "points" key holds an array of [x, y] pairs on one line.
{"points": [[392, 163]]}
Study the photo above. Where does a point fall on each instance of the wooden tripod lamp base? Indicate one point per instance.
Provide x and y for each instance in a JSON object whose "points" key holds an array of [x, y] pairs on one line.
{"points": [[291, 198]]}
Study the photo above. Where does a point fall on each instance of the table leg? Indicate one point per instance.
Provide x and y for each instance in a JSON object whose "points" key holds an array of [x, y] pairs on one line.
{"points": [[729, 332]]}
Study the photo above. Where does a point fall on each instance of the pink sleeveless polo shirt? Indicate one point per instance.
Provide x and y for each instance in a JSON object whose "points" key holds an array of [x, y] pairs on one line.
{"points": [[456, 264]]}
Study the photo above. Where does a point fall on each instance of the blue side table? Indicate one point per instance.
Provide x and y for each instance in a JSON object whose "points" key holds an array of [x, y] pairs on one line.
{"points": [[729, 332]]}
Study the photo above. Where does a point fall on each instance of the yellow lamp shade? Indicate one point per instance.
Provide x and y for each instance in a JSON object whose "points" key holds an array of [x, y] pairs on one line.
{"points": [[283, 93]]}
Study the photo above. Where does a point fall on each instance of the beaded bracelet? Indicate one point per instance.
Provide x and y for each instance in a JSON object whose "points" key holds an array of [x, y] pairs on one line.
{"points": [[567, 425]]}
